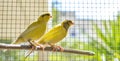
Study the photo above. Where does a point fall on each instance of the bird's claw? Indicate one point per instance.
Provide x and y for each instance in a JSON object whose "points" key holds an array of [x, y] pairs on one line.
{"points": [[55, 48], [34, 46], [37, 47], [40, 46]]}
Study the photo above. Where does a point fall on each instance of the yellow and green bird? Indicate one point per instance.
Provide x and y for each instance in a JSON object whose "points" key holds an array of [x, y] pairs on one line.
{"points": [[35, 30], [56, 34]]}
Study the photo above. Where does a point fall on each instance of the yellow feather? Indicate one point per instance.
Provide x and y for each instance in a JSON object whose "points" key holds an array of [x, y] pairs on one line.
{"points": [[55, 35], [35, 30]]}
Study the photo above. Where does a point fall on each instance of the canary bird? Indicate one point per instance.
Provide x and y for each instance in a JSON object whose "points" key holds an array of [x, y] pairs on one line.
{"points": [[56, 34], [35, 30]]}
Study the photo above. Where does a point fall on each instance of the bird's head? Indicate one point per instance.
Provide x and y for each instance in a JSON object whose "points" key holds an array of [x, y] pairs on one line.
{"points": [[45, 17], [67, 23]]}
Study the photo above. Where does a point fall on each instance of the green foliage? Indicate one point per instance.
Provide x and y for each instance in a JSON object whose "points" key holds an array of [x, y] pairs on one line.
{"points": [[5, 40], [108, 39], [58, 57]]}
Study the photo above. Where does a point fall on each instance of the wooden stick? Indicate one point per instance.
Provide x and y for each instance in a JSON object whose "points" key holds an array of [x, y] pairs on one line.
{"points": [[28, 47]]}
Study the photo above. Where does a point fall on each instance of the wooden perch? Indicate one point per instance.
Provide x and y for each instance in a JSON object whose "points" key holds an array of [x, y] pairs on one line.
{"points": [[27, 47]]}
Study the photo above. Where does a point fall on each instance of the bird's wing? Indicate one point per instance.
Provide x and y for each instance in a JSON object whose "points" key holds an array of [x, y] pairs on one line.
{"points": [[51, 31], [54, 35], [30, 28]]}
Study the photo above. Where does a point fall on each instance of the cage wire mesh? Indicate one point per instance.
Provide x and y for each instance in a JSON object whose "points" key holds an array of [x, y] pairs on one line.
{"points": [[96, 28]]}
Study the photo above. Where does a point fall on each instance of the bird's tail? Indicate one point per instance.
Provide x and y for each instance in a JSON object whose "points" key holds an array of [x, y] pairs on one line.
{"points": [[5, 50], [29, 52], [18, 41]]}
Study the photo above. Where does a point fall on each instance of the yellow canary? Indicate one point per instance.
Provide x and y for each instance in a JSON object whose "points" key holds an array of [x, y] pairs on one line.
{"points": [[35, 30], [54, 35]]}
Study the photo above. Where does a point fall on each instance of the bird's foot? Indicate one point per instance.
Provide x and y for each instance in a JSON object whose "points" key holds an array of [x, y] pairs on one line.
{"points": [[40, 46], [55, 48], [36, 45], [33, 44]]}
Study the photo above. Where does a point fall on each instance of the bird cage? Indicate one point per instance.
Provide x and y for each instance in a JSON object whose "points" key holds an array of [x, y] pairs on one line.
{"points": [[93, 37]]}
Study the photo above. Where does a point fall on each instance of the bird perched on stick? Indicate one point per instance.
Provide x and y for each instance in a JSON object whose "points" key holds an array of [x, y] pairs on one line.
{"points": [[56, 34], [35, 30]]}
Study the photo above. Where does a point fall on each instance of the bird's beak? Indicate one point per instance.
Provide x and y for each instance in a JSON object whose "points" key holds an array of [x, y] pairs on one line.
{"points": [[50, 16], [72, 23]]}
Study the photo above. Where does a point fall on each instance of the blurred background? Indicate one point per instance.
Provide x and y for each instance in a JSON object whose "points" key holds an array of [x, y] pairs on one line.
{"points": [[96, 28]]}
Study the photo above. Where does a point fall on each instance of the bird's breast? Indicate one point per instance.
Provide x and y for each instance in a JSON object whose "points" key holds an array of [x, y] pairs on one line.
{"points": [[56, 35]]}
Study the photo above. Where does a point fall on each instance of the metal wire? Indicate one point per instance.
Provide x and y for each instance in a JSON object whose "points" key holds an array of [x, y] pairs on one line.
{"points": [[16, 15]]}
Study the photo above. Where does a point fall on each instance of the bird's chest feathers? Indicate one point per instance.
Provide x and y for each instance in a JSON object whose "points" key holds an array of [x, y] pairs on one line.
{"points": [[41, 28], [57, 36]]}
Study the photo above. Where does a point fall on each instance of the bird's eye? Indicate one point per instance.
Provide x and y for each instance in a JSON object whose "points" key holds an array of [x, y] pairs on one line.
{"points": [[69, 21]]}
